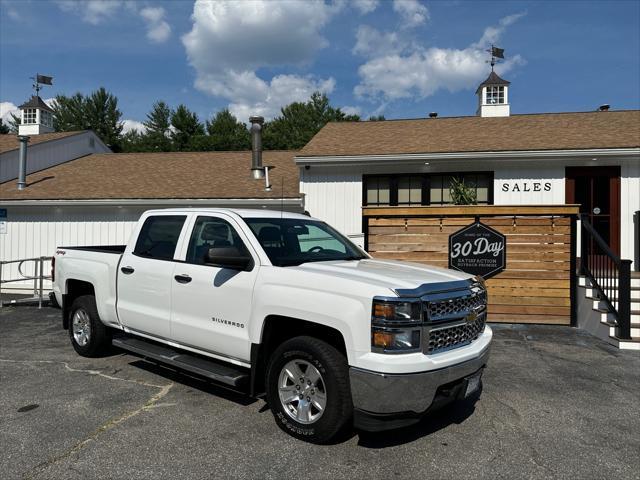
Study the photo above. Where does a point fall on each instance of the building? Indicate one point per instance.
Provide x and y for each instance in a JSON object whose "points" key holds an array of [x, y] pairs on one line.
{"points": [[97, 199], [590, 158], [45, 147]]}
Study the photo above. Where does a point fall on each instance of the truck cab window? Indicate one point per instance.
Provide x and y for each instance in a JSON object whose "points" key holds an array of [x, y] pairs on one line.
{"points": [[158, 237], [211, 232]]}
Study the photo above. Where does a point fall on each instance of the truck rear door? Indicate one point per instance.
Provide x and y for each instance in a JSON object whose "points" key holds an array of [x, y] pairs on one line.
{"points": [[145, 275], [211, 306]]}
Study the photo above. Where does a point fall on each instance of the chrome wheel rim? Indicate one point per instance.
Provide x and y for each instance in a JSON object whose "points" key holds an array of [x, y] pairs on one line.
{"points": [[81, 327], [302, 391]]}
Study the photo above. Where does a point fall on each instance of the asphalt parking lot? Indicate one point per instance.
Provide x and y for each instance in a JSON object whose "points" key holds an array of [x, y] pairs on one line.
{"points": [[557, 403]]}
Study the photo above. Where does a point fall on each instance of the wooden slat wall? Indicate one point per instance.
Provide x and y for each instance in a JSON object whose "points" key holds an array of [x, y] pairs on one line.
{"points": [[534, 287]]}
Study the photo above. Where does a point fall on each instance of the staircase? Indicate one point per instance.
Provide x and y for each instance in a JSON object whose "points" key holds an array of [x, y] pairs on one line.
{"points": [[610, 304], [595, 315]]}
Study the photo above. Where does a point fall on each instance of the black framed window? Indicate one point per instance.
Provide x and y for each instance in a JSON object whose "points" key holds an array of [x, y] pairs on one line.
{"points": [[424, 189], [211, 232], [378, 190], [158, 237]]}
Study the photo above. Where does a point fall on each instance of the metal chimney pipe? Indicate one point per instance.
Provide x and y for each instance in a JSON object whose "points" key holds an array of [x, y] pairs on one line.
{"points": [[257, 170], [22, 165]]}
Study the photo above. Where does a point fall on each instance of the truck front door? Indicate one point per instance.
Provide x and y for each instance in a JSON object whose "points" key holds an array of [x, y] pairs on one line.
{"points": [[145, 276], [211, 305]]}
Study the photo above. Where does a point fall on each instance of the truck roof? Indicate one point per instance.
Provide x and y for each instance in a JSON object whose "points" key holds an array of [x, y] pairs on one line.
{"points": [[241, 212]]}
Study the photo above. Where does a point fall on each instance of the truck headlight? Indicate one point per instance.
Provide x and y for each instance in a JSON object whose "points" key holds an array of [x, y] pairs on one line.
{"points": [[395, 325]]}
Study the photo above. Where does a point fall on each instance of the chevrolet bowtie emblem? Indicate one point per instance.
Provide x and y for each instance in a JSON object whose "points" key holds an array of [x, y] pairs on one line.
{"points": [[471, 317]]}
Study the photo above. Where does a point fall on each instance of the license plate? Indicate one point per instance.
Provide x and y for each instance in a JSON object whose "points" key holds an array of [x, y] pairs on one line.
{"points": [[473, 384]]}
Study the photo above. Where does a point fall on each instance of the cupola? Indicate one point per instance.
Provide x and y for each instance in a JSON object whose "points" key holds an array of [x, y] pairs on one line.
{"points": [[493, 97], [36, 117]]}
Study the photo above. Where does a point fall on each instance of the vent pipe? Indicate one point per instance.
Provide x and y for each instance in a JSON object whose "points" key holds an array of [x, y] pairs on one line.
{"points": [[433, 114], [257, 170], [604, 107], [22, 165]]}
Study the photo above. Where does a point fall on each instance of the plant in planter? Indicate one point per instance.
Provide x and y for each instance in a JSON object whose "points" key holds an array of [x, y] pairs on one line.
{"points": [[462, 194]]}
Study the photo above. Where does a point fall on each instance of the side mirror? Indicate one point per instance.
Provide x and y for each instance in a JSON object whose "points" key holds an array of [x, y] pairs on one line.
{"points": [[229, 257]]}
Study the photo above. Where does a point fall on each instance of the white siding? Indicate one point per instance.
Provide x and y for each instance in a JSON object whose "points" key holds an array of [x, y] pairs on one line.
{"points": [[47, 154], [34, 232], [335, 196], [630, 203]]}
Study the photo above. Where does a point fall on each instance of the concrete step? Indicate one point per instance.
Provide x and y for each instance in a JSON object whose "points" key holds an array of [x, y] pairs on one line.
{"points": [[582, 282], [633, 344]]}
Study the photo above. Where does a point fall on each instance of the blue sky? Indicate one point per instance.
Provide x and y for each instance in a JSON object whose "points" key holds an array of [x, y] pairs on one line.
{"points": [[401, 58]]}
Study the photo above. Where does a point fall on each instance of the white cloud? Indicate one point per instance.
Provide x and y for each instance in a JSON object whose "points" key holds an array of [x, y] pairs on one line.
{"points": [[254, 96], [365, 6], [230, 41], [92, 11], [129, 125], [371, 42], [420, 72], [351, 110], [492, 33], [158, 30], [96, 12], [412, 12], [6, 109]]}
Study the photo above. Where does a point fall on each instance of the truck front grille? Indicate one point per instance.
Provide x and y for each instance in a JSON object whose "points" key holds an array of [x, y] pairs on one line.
{"points": [[448, 337], [456, 307]]}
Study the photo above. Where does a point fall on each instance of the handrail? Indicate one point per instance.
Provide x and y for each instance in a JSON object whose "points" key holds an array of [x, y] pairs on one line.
{"points": [[609, 275], [38, 277]]}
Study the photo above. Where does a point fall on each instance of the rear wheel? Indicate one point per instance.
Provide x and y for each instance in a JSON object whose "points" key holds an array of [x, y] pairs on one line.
{"points": [[308, 389], [89, 336]]}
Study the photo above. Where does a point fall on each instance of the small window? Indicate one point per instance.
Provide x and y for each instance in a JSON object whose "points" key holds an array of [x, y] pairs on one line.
{"points": [[29, 115], [211, 232], [159, 237], [378, 191], [409, 190], [440, 191], [495, 95]]}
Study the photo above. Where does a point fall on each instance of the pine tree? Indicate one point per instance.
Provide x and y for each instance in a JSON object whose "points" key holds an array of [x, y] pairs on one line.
{"points": [[156, 138], [299, 122], [186, 125], [227, 133], [4, 129]]}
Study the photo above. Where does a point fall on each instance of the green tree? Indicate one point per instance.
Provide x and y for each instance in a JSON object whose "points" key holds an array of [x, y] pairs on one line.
{"points": [[4, 128], [300, 121], [156, 137], [103, 117], [134, 141], [98, 112], [227, 133], [14, 123], [185, 125], [376, 118]]}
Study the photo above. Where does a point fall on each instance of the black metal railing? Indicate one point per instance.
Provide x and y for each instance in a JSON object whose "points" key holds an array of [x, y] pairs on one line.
{"points": [[609, 275]]}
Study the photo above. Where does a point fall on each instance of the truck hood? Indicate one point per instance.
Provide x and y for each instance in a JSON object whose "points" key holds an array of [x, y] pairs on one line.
{"points": [[387, 274]]}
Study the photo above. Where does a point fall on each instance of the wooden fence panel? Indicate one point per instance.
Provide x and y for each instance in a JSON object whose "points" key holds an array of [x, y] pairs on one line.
{"points": [[535, 285]]}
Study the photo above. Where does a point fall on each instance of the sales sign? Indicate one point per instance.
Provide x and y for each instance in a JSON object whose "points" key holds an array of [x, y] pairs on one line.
{"points": [[478, 249]]}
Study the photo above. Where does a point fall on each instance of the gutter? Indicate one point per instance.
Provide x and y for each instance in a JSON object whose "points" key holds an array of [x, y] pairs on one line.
{"points": [[239, 202], [524, 155]]}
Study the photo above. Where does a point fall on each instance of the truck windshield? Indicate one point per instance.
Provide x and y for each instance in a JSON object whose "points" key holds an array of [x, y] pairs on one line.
{"points": [[293, 241]]}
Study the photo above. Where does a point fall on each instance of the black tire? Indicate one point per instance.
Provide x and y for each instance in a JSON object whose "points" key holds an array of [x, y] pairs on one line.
{"points": [[332, 365], [99, 338]]}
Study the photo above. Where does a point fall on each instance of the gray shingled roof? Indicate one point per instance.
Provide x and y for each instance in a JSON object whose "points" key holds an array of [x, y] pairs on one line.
{"points": [[493, 79], [36, 102]]}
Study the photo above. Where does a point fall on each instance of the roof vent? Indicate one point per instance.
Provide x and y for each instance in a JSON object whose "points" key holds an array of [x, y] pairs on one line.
{"points": [[433, 114], [604, 107]]}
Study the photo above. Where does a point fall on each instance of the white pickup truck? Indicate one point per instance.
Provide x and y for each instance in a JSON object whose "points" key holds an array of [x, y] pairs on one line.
{"points": [[281, 305]]}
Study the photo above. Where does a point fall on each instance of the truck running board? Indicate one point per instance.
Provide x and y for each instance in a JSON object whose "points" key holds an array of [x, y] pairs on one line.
{"points": [[209, 368]]}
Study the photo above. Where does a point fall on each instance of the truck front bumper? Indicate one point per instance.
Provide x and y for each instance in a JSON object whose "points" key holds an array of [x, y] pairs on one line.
{"points": [[383, 401]]}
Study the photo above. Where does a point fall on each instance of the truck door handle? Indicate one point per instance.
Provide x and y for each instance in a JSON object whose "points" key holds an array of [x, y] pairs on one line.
{"points": [[182, 278], [127, 270]]}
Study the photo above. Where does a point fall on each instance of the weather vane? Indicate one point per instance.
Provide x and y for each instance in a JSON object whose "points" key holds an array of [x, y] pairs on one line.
{"points": [[40, 80], [495, 54]]}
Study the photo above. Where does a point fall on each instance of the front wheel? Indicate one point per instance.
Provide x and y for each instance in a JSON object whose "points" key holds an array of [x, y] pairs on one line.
{"points": [[308, 389], [89, 336]]}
